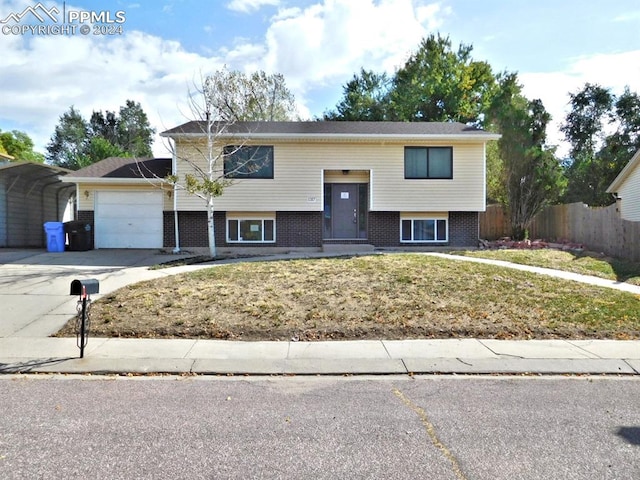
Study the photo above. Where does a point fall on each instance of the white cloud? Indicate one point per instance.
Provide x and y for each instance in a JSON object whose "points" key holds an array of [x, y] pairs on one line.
{"points": [[248, 6], [328, 42], [43, 76], [628, 17]]}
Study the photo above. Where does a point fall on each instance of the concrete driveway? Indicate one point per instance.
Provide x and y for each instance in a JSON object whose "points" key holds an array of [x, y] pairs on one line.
{"points": [[34, 284]]}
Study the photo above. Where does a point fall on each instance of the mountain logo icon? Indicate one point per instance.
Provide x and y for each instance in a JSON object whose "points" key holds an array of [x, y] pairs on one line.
{"points": [[39, 11]]}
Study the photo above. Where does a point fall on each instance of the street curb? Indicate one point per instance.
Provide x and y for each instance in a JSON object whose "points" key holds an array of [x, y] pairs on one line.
{"points": [[311, 366]]}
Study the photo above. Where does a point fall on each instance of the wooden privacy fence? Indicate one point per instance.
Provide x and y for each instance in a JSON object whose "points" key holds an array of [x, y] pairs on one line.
{"points": [[599, 229], [494, 223]]}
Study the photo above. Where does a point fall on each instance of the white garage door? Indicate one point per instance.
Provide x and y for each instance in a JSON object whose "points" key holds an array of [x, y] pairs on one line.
{"points": [[128, 220]]}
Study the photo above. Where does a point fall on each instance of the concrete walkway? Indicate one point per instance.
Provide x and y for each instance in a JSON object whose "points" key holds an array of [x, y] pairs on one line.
{"points": [[182, 356], [29, 349]]}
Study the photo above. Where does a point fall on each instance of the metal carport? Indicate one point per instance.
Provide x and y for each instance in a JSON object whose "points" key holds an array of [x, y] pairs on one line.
{"points": [[30, 195]]}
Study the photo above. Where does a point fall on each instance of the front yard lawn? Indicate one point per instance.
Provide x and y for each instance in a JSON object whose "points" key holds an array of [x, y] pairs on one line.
{"points": [[371, 297], [585, 263]]}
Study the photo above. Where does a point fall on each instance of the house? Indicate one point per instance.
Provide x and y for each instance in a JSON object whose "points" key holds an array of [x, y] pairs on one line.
{"points": [[30, 195], [626, 188], [301, 185]]}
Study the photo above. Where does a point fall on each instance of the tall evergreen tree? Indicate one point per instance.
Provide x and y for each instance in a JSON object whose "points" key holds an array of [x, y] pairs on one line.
{"points": [[77, 143], [68, 145]]}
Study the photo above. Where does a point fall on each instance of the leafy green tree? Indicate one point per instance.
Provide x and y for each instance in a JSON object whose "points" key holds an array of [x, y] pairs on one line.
{"points": [[20, 146], [100, 148], [531, 174], [604, 132], [365, 98], [234, 96], [436, 84], [440, 84], [496, 189]]}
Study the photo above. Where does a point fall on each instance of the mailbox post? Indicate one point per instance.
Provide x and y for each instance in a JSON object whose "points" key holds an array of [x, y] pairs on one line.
{"points": [[83, 288]]}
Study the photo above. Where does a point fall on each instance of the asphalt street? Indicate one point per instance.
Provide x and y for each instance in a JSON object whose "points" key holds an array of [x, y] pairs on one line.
{"points": [[396, 427]]}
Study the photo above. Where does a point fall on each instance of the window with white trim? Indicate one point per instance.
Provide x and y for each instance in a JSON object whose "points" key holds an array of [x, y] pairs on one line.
{"points": [[245, 230], [424, 230]]}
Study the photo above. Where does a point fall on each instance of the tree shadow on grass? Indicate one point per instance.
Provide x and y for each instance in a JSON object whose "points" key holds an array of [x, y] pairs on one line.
{"points": [[624, 270]]}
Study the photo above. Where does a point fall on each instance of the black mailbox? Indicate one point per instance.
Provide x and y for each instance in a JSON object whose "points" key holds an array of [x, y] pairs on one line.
{"points": [[91, 285]]}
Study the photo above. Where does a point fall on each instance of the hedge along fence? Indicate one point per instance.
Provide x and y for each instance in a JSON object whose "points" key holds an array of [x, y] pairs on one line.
{"points": [[600, 229]]}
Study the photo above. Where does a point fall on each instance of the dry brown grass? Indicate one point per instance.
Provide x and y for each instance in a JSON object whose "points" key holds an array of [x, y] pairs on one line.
{"points": [[373, 297]]}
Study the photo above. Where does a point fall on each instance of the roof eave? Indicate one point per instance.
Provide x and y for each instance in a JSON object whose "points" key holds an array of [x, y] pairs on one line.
{"points": [[622, 176], [112, 181], [484, 136]]}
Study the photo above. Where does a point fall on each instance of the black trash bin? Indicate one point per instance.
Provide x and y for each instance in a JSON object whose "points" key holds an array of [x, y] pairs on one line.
{"points": [[79, 235]]}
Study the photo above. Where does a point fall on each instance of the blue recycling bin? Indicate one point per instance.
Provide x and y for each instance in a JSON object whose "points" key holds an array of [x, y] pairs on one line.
{"points": [[54, 231]]}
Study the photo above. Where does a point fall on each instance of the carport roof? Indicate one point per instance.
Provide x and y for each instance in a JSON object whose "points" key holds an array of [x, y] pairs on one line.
{"points": [[37, 172], [120, 168]]}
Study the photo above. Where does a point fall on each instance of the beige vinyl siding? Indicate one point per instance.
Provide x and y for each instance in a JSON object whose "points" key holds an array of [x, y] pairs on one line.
{"points": [[346, 176], [434, 215], [251, 215], [299, 170], [630, 194], [86, 193]]}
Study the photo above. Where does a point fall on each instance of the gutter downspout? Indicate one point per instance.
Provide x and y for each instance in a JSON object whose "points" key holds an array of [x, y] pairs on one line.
{"points": [[174, 170]]}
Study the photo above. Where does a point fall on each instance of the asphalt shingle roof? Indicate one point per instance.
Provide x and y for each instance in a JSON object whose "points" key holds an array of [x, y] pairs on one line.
{"points": [[118, 167], [330, 128]]}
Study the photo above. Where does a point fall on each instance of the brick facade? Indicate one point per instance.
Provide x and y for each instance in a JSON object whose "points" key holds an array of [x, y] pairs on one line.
{"points": [[464, 229], [298, 229], [192, 227], [304, 229], [384, 230], [293, 229]]}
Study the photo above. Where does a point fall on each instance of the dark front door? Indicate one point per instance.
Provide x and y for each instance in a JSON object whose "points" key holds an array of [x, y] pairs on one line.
{"points": [[344, 202]]}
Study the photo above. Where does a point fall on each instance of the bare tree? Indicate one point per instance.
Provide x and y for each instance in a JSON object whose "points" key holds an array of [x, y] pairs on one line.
{"points": [[257, 97], [206, 165]]}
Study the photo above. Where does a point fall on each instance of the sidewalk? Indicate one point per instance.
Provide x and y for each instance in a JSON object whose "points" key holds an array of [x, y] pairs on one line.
{"points": [[221, 357]]}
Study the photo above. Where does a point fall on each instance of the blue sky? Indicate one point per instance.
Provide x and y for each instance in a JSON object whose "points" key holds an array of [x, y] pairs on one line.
{"points": [[555, 46]]}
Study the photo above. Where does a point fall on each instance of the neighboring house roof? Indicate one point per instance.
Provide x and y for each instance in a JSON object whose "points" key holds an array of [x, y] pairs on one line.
{"points": [[624, 174], [123, 169], [343, 130], [6, 156]]}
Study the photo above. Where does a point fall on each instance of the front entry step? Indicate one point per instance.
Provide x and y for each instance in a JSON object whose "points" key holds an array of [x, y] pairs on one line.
{"points": [[347, 248]]}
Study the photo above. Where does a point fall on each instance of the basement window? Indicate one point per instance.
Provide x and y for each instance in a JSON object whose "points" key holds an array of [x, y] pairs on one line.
{"points": [[424, 230], [259, 230]]}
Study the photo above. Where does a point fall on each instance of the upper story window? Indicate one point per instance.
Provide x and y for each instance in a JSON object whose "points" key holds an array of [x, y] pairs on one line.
{"points": [[248, 161], [428, 162]]}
